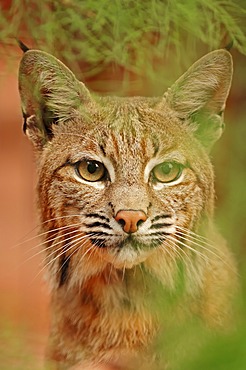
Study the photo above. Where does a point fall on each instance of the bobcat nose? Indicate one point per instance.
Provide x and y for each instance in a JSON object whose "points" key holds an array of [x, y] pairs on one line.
{"points": [[130, 220]]}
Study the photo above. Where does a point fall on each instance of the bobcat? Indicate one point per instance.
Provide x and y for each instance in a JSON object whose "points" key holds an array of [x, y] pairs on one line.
{"points": [[126, 201]]}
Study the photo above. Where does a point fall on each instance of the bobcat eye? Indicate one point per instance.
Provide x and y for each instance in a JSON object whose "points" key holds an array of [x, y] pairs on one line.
{"points": [[167, 171], [90, 170]]}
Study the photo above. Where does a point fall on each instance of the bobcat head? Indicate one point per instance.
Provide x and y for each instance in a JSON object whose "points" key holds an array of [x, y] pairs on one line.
{"points": [[122, 181]]}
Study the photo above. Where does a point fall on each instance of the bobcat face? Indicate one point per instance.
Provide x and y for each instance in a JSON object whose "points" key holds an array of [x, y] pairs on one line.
{"points": [[121, 178], [127, 190]]}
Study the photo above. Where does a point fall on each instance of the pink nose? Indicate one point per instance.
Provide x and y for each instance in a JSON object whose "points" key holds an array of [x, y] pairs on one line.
{"points": [[130, 220]]}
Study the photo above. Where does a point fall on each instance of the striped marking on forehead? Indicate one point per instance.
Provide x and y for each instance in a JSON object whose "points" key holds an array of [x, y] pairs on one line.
{"points": [[128, 155], [124, 146]]}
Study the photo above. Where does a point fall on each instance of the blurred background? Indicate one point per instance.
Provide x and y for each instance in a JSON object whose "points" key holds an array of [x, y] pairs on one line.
{"points": [[124, 48]]}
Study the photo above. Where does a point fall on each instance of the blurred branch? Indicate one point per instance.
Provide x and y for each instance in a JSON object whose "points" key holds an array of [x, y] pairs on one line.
{"points": [[124, 31]]}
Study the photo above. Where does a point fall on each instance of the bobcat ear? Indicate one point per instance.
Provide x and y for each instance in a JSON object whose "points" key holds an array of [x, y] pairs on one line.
{"points": [[49, 93], [200, 94]]}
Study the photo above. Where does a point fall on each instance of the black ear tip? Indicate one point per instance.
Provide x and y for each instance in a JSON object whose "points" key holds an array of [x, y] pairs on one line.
{"points": [[23, 47], [24, 123]]}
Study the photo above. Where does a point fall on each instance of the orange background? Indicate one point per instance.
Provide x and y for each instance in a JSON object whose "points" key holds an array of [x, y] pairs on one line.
{"points": [[23, 296]]}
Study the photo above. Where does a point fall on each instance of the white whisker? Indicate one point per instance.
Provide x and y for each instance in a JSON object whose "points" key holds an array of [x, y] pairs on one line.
{"points": [[200, 237], [45, 233], [165, 242], [65, 250], [195, 241], [53, 244], [59, 236], [186, 258], [76, 250], [70, 245], [190, 248]]}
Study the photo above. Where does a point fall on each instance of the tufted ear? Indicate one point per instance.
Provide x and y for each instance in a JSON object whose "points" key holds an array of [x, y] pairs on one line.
{"points": [[200, 94], [49, 93]]}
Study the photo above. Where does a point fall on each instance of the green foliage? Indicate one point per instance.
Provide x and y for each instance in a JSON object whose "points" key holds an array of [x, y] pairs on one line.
{"points": [[133, 34]]}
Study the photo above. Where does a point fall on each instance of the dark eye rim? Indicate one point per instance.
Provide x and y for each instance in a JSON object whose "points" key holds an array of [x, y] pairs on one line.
{"points": [[102, 178], [180, 168]]}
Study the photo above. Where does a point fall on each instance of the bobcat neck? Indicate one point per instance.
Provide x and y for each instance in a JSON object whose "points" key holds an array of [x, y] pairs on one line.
{"points": [[110, 320]]}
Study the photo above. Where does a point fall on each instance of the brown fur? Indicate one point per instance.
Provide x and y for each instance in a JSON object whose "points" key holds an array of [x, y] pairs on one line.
{"points": [[104, 295]]}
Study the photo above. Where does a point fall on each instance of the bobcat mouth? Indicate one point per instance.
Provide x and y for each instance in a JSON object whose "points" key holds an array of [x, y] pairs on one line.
{"points": [[137, 243], [100, 240], [125, 253]]}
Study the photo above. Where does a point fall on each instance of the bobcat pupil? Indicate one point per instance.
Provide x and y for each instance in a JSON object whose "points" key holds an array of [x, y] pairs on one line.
{"points": [[92, 167], [166, 168]]}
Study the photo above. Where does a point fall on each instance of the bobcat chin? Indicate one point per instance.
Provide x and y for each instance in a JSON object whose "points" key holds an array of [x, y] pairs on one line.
{"points": [[126, 199]]}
